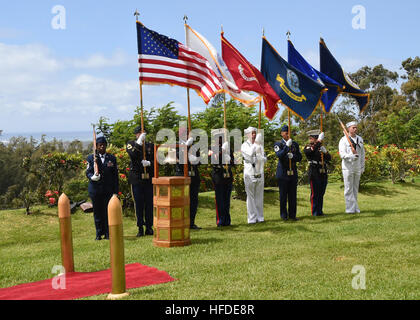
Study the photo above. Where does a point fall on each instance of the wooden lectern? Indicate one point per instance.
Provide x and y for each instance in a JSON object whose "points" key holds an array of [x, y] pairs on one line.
{"points": [[171, 207]]}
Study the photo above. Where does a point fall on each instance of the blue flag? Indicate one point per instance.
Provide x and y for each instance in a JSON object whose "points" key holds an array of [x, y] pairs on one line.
{"points": [[296, 90], [333, 69], [334, 88]]}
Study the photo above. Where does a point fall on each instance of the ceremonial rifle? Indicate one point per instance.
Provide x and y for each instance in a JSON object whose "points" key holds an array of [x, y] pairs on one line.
{"points": [[95, 165], [347, 135]]}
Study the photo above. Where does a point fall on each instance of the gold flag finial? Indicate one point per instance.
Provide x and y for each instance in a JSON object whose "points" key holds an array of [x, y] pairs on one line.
{"points": [[185, 18]]}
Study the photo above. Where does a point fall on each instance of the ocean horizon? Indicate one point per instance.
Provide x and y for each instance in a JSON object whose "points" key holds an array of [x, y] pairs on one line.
{"points": [[65, 136]]}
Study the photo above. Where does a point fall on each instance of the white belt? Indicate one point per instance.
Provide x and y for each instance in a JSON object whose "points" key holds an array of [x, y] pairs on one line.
{"points": [[314, 162]]}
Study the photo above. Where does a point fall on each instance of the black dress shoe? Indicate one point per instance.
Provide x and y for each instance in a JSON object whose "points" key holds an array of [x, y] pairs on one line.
{"points": [[195, 227], [140, 233], [294, 219], [106, 237], [284, 219], [149, 232], [98, 238]]}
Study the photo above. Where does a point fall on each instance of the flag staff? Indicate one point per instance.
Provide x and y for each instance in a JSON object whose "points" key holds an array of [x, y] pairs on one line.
{"points": [[322, 170], [144, 175], [226, 175], [188, 89], [259, 114], [290, 172]]}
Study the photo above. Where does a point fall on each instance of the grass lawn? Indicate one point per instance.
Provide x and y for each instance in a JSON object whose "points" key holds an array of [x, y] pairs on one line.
{"points": [[309, 259]]}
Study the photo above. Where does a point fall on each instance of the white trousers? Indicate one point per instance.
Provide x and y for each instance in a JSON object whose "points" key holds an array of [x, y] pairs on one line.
{"points": [[254, 199], [351, 190]]}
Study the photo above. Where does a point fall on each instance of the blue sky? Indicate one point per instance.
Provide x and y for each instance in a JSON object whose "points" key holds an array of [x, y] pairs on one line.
{"points": [[65, 79]]}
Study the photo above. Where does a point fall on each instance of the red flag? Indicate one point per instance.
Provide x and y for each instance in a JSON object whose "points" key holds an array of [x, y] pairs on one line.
{"points": [[247, 77]]}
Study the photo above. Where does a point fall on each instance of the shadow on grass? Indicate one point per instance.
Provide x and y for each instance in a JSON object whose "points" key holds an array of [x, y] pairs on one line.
{"points": [[371, 190], [408, 184], [38, 212], [276, 226], [378, 213]]}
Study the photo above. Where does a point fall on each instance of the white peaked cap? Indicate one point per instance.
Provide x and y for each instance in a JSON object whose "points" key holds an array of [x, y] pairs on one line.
{"points": [[350, 124], [250, 129]]}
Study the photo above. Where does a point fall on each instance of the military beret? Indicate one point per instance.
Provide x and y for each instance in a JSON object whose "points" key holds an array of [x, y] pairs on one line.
{"points": [[313, 133], [137, 130], [101, 140], [285, 128]]}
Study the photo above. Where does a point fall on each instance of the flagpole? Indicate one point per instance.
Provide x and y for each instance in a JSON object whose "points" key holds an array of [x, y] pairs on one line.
{"points": [[144, 175], [259, 114], [290, 172], [322, 155], [186, 174], [225, 126], [188, 89], [226, 175], [290, 160]]}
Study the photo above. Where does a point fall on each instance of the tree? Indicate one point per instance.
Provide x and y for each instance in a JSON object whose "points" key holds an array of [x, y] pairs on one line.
{"points": [[411, 88]]}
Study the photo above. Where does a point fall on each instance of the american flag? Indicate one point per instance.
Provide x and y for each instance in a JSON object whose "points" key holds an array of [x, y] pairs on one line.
{"points": [[164, 60]]}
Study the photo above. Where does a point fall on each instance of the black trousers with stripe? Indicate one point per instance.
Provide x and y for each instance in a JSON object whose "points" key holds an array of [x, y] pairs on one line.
{"points": [[318, 188]]}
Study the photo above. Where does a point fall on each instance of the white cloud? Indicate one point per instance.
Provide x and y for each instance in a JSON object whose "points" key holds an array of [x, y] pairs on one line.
{"points": [[98, 60], [40, 91]]}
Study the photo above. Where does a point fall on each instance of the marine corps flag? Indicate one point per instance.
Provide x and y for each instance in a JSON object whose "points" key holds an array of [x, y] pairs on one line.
{"points": [[247, 77], [296, 90], [333, 69], [334, 88]]}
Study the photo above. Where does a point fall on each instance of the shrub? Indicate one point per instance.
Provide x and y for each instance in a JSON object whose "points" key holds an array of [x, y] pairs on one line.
{"points": [[400, 163], [77, 189]]}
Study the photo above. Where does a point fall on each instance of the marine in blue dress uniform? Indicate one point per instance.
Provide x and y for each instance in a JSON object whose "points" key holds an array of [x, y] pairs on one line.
{"points": [[318, 157], [102, 185], [222, 160], [141, 180], [287, 179]]}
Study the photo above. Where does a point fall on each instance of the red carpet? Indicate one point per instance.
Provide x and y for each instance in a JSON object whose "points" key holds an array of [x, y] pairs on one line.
{"points": [[85, 284]]}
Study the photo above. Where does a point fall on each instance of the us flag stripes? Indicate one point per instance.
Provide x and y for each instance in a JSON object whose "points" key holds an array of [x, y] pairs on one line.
{"points": [[163, 60]]}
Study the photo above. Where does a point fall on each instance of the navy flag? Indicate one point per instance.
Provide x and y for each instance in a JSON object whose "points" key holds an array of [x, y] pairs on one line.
{"points": [[296, 90], [334, 88], [333, 69]]}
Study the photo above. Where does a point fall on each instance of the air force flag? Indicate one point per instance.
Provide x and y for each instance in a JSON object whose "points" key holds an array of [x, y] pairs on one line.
{"points": [[333, 69], [334, 88], [296, 90]]}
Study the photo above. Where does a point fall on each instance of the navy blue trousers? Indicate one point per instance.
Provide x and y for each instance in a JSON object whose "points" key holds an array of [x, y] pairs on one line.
{"points": [[223, 193], [194, 190], [288, 194], [143, 202], [318, 187], [100, 213]]}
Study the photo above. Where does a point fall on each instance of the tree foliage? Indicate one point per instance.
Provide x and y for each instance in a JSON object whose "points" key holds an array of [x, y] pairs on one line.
{"points": [[28, 168]]}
